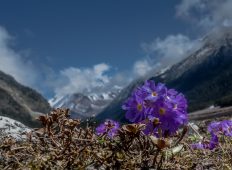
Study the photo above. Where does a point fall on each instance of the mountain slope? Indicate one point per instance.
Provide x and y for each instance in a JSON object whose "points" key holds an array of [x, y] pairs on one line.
{"points": [[204, 77], [19, 102]]}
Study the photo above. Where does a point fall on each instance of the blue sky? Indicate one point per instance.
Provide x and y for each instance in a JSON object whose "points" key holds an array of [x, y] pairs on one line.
{"points": [[83, 33], [104, 38]]}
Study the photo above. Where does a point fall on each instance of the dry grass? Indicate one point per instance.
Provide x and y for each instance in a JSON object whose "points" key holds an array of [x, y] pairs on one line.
{"points": [[219, 158], [63, 144]]}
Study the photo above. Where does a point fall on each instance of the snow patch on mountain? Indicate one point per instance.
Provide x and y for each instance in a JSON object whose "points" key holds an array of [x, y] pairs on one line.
{"points": [[10, 127]]}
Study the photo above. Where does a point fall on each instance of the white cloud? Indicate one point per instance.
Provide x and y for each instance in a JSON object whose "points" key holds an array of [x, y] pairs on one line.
{"points": [[142, 67], [95, 79], [99, 71], [206, 14], [165, 52], [83, 80], [22, 69]]}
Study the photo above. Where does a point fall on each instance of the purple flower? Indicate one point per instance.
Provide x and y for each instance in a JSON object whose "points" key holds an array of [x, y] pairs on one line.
{"points": [[153, 92], [109, 127], [176, 102], [198, 145], [222, 127], [135, 106], [171, 118], [206, 145], [153, 102], [213, 142], [152, 124]]}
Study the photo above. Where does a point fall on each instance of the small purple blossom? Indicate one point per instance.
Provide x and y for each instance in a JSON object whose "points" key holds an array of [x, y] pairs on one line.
{"points": [[153, 92], [152, 102], [199, 145], [213, 143], [109, 127], [222, 127], [135, 106]]}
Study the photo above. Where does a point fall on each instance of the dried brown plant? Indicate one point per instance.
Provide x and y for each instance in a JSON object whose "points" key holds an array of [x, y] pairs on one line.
{"points": [[63, 144]]}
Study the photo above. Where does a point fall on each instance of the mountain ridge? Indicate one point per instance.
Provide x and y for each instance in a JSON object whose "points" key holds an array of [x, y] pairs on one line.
{"points": [[85, 105], [20, 102]]}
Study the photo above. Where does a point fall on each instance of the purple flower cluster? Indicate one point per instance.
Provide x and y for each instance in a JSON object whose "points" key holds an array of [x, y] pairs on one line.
{"points": [[215, 129], [224, 127], [109, 127], [161, 109]]}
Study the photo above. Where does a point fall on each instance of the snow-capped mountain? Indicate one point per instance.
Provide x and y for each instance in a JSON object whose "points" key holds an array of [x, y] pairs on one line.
{"points": [[85, 105], [10, 127]]}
